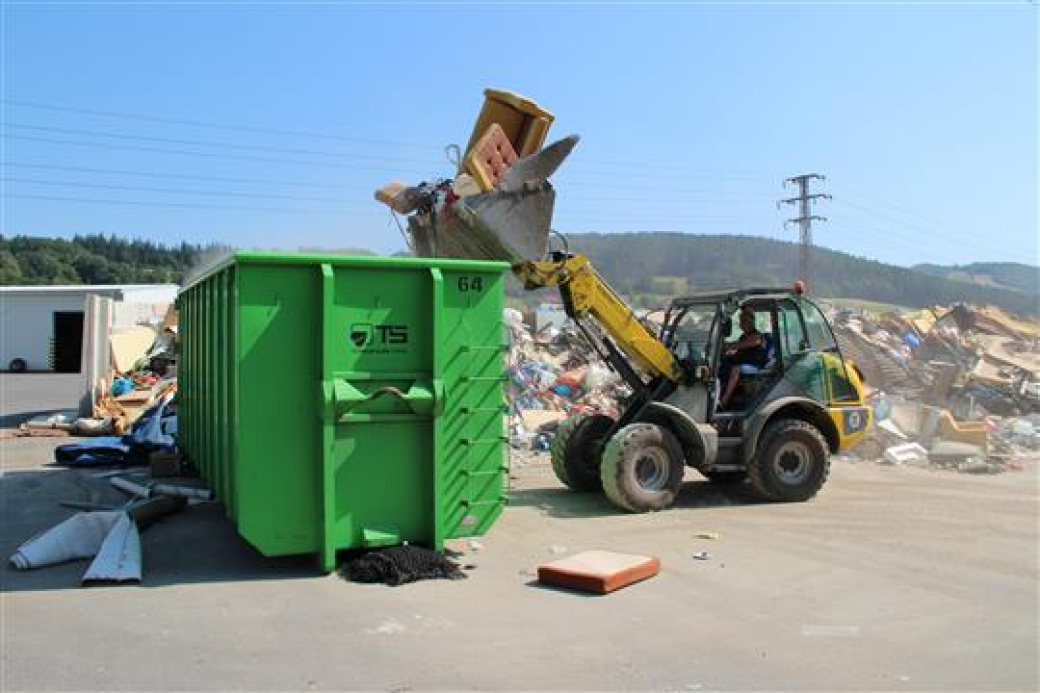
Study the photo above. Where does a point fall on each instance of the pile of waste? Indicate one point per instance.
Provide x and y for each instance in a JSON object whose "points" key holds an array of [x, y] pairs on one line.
{"points": [[554, 374], [953, 387], [138, 369]]}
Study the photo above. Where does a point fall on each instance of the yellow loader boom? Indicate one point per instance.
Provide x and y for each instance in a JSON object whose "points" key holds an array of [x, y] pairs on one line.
{"points": [[587, 295]]}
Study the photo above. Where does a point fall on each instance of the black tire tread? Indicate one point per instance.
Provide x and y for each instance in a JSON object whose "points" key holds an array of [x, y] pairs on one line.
{"points": [[614, 455], [759, 468], [558, 449]]}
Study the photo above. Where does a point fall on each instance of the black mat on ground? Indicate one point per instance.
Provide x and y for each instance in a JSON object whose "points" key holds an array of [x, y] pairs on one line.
{"points": [[399, 565]]}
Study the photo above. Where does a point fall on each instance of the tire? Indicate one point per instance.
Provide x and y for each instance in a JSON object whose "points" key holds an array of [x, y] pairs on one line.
{"points": [[576, 451], [17, 366], [726, 478], [792, 462], [642, 468]]}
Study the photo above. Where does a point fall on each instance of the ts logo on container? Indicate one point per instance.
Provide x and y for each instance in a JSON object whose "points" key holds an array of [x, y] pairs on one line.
{"points": [[366, 335]]}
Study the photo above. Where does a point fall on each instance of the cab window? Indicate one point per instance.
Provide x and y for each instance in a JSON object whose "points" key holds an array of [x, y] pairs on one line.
{"points": [[817, 329], [792, 333]]}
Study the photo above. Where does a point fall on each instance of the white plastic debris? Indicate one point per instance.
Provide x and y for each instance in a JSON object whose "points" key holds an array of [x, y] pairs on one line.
{"points": [[119, 558], [905, 454], [133, 488], [80, 536]]}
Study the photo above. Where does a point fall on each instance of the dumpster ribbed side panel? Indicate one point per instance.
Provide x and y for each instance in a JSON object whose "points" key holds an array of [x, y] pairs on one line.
{"points": [[473, 442], [206, 375]]}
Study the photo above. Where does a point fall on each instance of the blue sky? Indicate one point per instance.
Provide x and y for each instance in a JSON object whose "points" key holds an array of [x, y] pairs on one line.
{"points": [[269, 125]]}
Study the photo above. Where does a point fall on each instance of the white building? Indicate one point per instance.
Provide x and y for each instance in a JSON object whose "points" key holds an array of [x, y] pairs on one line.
{"points": [[41, 327]]}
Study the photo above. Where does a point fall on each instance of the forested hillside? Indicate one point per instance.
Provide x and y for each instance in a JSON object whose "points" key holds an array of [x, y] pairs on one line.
{"points": [[648, 267], [92, 260], [1006, 275], [658, 264]]}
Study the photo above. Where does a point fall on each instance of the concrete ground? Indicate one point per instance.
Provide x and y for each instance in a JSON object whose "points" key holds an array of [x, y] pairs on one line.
{"points": [[25, 396], [892, 579]]}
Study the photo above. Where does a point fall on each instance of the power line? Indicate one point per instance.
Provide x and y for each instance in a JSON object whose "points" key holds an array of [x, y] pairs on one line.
{"points": [[628, 165], [217, 145], [874, 199], [972, 242], [185, 152], [722, 198], [870, 238], [179, 191], [627, 186], [202, 123], [138, 203], [656, 170], [220, 145], [179, 176], [297, 162]]}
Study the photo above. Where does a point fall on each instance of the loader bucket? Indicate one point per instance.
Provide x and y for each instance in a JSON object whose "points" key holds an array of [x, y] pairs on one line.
{"points": [[509, 223]]}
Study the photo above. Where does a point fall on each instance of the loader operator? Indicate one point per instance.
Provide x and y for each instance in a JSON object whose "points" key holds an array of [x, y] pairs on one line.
{"points": [[749, 349]]}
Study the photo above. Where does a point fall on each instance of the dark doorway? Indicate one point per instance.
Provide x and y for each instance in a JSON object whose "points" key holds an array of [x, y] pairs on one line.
{"points": [[68, 341]]}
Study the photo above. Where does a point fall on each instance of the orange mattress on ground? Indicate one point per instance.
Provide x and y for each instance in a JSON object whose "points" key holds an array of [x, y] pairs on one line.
{"points": [[599, 571]]}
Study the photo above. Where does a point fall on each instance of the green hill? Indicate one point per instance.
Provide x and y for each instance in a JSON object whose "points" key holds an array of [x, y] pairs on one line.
{"points": [[638, 263], [648, 267], [92, 260], [1004, 275]]}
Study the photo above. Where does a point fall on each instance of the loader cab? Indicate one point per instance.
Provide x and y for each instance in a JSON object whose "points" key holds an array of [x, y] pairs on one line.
{"points": [[801, 354]]}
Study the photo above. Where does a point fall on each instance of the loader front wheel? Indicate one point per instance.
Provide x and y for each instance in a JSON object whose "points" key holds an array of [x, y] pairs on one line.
{"points": [[576, 451], [642, 468], [792, 462]]}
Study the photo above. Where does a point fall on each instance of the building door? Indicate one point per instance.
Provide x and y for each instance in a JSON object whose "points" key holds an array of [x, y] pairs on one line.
{"points": [[68, 341]]}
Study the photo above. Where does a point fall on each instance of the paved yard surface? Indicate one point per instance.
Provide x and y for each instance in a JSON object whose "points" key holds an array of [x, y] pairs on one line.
{"points": [[27, 395], [893, 578]]}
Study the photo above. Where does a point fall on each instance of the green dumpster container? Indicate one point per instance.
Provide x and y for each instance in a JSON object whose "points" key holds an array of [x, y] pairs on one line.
{"points": [[337, 402]]}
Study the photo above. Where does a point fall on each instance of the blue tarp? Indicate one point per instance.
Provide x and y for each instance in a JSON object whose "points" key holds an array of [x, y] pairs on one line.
{"points": [[146, 435]]}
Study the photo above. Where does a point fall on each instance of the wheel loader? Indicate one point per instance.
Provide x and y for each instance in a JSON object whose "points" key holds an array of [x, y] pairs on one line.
{"points": [[786, 419]]}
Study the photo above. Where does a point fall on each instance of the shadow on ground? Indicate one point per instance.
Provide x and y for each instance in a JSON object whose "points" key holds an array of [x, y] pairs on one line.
{"points": [[561, 502], [198, 545]]}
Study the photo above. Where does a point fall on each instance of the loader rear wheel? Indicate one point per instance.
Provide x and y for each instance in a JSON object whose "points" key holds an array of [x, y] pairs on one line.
{"points": [[642, 468], [792, 462], [576, 451]]}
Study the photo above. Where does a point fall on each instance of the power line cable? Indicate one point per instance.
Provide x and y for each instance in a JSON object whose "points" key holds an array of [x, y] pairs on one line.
{"points": [[260, 148], [875, 199], [216, 145], [179, 191], [138, 203], [715, 197], [658, 217], [201, 123], [626, 164], [185, 152], [870, 238], [296, 162], [179, 176], [972, 243], [565, 182], [707, 173]]}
